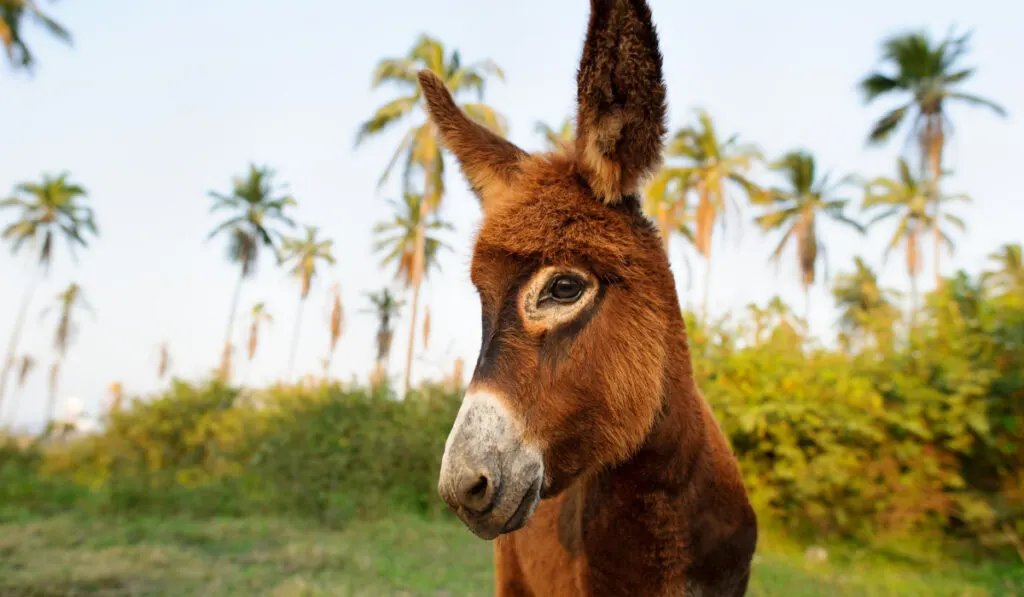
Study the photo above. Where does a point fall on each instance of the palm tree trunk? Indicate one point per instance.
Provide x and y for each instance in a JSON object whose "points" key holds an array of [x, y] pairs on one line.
{"points": [[327, 363], [12, 409], [663, 224], [295, 337], [51, 403], [933, 142], [418, 259], [418, 263], [707, 288], [12, 345], [807, 306], [225, 363], [913, 301]]}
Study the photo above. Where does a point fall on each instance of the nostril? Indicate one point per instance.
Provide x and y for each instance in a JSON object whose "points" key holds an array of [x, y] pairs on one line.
{"points": [[476, 492], [480, 488]]}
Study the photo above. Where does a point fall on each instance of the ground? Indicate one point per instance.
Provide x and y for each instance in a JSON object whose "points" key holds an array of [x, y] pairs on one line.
{"points": [[405, 555]]}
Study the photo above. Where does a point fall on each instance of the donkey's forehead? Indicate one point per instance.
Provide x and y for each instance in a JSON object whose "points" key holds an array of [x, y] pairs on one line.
{"points": [[555, 221]]}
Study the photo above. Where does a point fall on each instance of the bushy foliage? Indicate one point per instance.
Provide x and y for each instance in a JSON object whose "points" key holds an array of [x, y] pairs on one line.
{"points": [[920, 434], [926, 433], [320, 450]]}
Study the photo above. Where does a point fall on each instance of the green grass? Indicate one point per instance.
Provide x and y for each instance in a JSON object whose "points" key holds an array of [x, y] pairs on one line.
{"points": [[71, 555]]}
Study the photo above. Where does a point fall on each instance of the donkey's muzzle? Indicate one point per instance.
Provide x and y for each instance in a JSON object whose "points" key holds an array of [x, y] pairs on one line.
{"points": [[489, 477]]}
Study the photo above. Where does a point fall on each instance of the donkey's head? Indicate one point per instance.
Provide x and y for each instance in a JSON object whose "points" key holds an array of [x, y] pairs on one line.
{"points": [[575, 289]]}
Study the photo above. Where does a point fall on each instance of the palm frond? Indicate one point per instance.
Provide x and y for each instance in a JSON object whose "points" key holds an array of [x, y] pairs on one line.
{"points": [[975, 100], [395, 70], [876, 85], [386, 116], [884, 128]]}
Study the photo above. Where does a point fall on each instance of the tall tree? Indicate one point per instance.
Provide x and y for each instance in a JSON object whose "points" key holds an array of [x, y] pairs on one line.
{"points": [[776, 318], [24, 365], [400, 240], [1008, 278], [905, 199], [305, 255], [49, 212], [665, 199], [13, 16], [257, 318], [555, 138], [337, 325], [419, 147], [865, 308], [255, 209], [385, 307], [397, 238], [795, 211], [68, 302], [715, 170], [164, 364], [927, 76]]}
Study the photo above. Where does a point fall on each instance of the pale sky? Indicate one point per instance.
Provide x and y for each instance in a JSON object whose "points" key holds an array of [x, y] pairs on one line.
{"points": [[157, 103]]}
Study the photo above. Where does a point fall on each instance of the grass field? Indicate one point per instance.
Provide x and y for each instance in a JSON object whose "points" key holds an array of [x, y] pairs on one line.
{"points": [[72, 556]]}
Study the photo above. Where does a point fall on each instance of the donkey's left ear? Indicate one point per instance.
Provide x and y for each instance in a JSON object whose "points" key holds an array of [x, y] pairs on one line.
{"points": [[620, 119], [489, 161]]}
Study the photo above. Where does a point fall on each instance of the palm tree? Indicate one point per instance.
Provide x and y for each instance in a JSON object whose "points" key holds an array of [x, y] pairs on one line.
{"points": [[419, 147], [554, 139], [305, 253], [927, 76], [258, 317], [164, 364], [906, 200], [49, 211], [864, 306], [713, 169], [399, 239], [337, 324], [665, 199], [795, 212], [68, 301], [255, 208], [25, 365], [776, 317], [1009, 277], [386, 307], [13, 15]]}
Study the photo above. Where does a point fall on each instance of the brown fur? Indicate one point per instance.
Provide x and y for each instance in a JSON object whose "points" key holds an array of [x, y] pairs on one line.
{"points": [[643, 495]]}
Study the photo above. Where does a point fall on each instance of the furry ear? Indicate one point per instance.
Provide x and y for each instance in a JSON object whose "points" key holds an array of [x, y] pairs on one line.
{"points": [[620, 118], [488, 161]]}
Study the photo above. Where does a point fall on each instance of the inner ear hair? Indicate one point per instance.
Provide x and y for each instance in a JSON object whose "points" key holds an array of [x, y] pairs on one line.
{"points": [[621, 110], [488, 160]]}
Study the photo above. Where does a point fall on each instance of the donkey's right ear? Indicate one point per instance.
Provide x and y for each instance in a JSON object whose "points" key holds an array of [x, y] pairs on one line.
{"points": [[489, 161], [620, 118]]}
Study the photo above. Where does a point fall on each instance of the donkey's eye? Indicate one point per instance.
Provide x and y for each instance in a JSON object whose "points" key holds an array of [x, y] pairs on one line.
{"points": [[566, 289]]}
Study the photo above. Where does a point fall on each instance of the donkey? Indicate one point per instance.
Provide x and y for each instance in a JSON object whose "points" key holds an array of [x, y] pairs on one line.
{"points": [[583, 447]]}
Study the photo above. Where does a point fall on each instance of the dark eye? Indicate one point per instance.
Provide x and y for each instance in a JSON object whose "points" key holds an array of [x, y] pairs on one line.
{"points": [[566, 289]]}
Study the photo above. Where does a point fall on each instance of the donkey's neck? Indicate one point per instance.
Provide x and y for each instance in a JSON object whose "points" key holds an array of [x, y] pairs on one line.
{"points": [[665, 500]]}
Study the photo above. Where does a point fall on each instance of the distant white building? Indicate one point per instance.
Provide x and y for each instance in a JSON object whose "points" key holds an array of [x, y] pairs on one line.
{"points": [[75, 418]]}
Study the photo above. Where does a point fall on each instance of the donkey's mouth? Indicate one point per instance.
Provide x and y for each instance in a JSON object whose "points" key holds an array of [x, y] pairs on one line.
{"points": [[510, 512], [526, 507]]}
